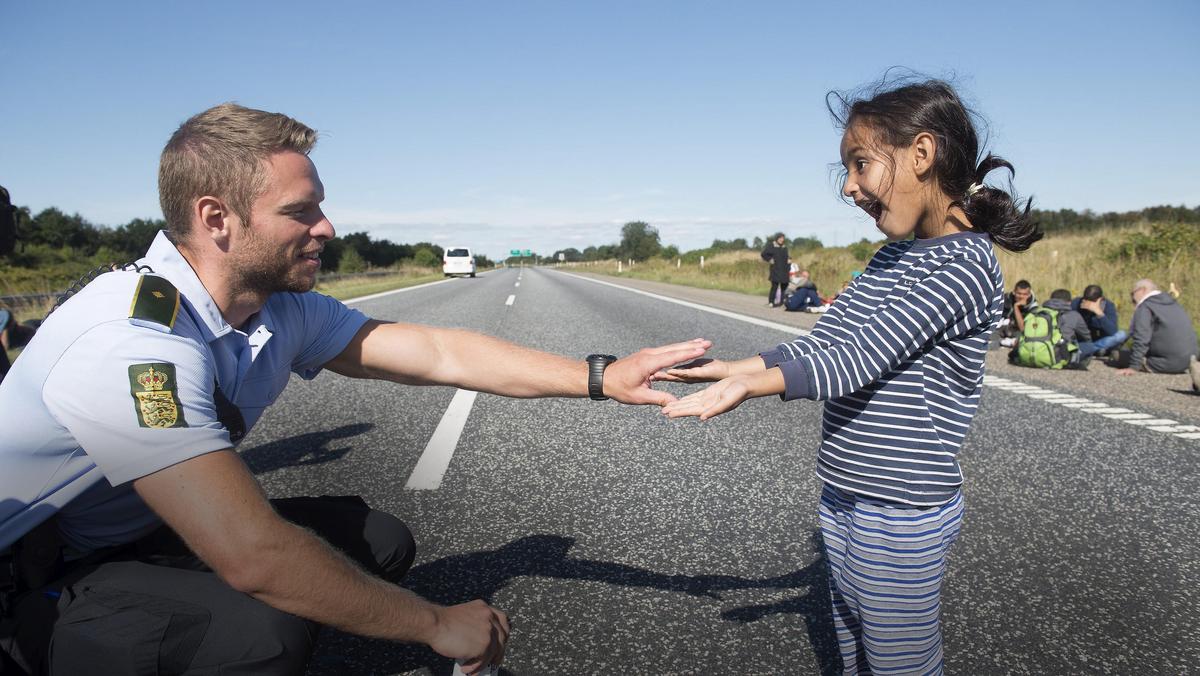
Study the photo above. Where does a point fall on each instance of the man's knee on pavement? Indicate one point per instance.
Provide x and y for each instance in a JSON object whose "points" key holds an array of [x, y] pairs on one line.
{"points": [[392, 543]]}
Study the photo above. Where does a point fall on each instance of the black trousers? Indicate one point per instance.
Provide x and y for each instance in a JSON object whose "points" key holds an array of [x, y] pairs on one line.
{"points": [[777, 290], [154, 608]]}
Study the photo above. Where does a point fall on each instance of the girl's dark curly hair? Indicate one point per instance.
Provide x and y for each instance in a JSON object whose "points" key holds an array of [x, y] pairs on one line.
{"points": [[899, 111]]}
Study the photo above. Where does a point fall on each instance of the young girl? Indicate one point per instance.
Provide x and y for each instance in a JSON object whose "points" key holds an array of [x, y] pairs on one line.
{"points": [[898, 359]]}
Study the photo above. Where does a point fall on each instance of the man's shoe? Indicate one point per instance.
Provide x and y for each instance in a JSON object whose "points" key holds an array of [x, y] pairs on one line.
{"points": [[1194, 369]]}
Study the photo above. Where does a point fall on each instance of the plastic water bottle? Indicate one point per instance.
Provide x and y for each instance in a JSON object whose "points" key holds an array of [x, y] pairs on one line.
{"points": [[489, 670]]}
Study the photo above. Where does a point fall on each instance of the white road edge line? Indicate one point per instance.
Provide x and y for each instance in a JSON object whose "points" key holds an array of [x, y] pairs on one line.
{"points": [[793, 330], [395, 291], [1016, 387], [435, 459], [510, 300]]}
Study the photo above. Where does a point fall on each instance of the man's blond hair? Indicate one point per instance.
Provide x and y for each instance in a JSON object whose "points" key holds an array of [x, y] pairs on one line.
{"points": [[221, 152]]}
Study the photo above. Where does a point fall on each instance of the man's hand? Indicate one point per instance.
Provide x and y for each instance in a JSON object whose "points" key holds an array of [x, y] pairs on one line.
{"points": [[713, 400], [628, 380], [472, 632], [1126, 372]]}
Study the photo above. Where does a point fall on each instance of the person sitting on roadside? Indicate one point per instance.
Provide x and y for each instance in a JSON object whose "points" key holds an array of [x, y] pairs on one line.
{"points": [[803, 293], [1017, 304], [1073, 327], [1101, 317], [1164, 338]]}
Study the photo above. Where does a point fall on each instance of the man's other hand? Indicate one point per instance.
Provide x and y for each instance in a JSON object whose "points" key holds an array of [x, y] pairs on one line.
{"points": [[472, 632], [627, 380]]}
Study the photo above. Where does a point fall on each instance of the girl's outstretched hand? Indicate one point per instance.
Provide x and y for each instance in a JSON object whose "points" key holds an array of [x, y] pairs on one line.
{"points": [[696, 371], [713, 400]]}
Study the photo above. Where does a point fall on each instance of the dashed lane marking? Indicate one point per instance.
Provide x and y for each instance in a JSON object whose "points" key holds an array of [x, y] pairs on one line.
{"points": [[511, 299], [435, 459]]}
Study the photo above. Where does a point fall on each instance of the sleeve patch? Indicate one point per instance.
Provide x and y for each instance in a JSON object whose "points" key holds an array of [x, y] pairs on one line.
{"points": [[155, 303], [155, 395]]}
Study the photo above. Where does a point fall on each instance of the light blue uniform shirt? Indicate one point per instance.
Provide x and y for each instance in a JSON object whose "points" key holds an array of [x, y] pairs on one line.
{"points": [[72, 439]]}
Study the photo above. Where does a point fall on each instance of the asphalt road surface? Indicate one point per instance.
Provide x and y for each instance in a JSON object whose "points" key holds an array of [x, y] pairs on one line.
{"points": [[623, 542]]}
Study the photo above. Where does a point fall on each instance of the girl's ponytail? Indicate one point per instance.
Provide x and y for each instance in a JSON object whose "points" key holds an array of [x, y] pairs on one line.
{"points": [[996, 212]]}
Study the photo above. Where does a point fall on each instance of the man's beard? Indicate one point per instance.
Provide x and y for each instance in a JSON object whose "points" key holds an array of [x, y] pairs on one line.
{"points": [[265, 272]]}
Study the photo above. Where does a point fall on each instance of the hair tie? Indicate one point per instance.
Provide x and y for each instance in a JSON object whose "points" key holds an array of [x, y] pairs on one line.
{"points": [[974, 188]]}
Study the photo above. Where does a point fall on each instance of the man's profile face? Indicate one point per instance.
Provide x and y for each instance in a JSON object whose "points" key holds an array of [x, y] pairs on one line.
{"points": [[278, 249]]}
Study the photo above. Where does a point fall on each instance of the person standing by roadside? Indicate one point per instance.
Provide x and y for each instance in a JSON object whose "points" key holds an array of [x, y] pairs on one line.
{"points": [[776, 254]]}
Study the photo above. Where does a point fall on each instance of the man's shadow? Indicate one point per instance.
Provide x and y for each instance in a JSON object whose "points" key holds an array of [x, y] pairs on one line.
{"points": [[302, 449], [481, 575]]}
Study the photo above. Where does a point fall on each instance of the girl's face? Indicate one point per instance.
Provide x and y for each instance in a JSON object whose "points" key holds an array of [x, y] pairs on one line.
{"points": [[883, 182]]}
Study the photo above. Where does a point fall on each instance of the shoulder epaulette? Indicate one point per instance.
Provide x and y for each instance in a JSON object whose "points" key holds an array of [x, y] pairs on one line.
{"points": [[155, 304]]}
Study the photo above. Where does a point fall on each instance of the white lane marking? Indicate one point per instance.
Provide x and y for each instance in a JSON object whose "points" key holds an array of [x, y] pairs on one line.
{"points": [[435, 459], [510, 299], [1142, 420], [517, 284], [1014, 386], [1157, 422], [792, 330]]}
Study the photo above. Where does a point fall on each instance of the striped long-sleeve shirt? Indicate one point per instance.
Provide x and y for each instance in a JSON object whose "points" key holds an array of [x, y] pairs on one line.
{"points": [[898, 359]]}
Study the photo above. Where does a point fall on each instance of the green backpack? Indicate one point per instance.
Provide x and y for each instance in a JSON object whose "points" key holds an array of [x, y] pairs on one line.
{"points": [[1041, 344]]}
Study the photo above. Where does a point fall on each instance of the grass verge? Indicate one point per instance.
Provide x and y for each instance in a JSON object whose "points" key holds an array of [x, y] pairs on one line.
{"points": [[1070, 261], [354, 287]]}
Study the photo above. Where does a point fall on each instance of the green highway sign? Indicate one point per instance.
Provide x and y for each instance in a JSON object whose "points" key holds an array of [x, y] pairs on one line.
{"points": [[514, 252], [526, 252]]}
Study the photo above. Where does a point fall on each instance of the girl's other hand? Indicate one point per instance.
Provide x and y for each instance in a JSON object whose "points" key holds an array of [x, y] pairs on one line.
{"points": [[713, 400], [696, 371]]}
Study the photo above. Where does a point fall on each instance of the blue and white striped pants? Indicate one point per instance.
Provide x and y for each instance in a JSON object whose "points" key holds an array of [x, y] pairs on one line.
{"points": [[886, 563]]}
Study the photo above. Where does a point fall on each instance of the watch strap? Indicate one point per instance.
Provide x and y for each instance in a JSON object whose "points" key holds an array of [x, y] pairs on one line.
{"points": [[596, 365]]}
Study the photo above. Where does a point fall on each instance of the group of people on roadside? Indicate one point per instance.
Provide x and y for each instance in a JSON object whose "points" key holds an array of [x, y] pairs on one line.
{"points": [[1077, 330], [792, 287]]}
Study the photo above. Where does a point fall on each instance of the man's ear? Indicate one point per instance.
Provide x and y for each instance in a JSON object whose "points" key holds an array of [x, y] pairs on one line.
{"points": [[924, 150], [214, 219]]}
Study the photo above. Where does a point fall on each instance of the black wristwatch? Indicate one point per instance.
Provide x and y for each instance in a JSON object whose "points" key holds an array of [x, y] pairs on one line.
{"points": [[596, 365]]}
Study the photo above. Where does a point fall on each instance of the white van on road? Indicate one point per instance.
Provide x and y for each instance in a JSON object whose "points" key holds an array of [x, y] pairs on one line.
{"points": [[458, 260]]}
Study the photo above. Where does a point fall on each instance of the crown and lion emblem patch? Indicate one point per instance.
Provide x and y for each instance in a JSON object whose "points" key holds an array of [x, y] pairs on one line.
{"points": [[155, 393]]}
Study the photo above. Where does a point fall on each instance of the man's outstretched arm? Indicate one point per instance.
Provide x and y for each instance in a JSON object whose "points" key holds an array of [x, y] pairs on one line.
{"points": [[424, 355]]}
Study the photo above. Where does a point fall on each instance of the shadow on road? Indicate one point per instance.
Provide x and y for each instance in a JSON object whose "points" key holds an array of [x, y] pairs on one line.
{"points": [[480, 575], [302, 449]]}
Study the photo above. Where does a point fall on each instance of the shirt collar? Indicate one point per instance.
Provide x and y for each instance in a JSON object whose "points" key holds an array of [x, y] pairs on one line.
{"points": [[1148, 294], [166, 261]]}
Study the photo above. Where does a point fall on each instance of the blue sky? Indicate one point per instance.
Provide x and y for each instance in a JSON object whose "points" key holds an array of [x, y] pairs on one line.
{"points": [[544, 125]]}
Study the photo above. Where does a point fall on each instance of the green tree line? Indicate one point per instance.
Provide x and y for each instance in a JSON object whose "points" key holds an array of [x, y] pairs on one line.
{"points": [[640, 241], [57, 245]]}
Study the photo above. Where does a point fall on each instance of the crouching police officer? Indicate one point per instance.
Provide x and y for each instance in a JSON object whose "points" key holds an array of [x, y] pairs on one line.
{"points": [[134, 538]]}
